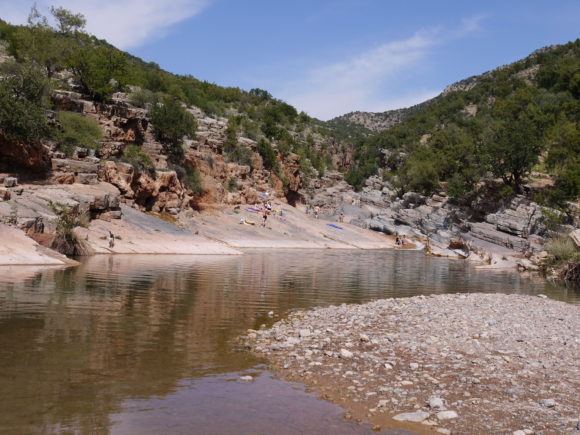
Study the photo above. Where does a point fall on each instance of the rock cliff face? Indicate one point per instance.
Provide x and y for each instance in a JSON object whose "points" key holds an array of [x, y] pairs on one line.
{"points": [[508, 233], [162, 190], [375, 121], [30, 156]]}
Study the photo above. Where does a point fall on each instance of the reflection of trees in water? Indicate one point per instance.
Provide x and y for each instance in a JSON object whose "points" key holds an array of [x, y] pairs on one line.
{"points": [[77, 342]]}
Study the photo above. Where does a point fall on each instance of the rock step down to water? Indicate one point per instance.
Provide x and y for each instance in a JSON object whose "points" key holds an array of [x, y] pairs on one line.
{"points": [[477, 363]]}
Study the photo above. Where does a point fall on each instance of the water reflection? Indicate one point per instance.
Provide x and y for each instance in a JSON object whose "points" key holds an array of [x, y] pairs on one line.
{"points": [[77, 344]]}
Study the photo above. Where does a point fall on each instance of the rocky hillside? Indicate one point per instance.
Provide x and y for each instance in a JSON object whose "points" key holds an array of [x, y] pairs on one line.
{"points": [[75, 109], [506, 124], [374, 122]]}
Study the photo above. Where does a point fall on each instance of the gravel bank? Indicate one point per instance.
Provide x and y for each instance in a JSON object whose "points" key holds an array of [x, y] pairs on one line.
{"points": [[477, 363]]}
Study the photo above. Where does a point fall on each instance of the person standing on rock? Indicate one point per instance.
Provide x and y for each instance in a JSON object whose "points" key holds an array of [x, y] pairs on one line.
{"points": [[264, 217], [316, 212], [111, 240]]}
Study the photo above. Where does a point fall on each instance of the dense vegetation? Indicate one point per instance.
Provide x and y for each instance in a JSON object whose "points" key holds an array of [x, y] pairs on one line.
{"points": [[527, 117]]}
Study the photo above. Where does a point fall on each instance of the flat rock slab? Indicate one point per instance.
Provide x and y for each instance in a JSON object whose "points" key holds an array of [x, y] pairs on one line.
{"points": [[140, 233]]}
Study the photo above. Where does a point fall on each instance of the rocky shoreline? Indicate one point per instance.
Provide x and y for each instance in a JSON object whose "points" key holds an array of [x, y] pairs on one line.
{"points": [[467, 363]]}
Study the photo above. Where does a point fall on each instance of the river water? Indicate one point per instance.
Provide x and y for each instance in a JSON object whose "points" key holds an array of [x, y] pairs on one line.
{"points": [[145, 344]]}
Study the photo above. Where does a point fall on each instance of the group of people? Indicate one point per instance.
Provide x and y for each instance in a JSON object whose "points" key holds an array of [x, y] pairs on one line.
{"points": [[399, 240], [313, 210]]}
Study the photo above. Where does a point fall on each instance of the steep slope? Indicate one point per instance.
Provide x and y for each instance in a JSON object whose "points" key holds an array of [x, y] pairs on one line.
{"points": [[152, 119], [503, 124]]}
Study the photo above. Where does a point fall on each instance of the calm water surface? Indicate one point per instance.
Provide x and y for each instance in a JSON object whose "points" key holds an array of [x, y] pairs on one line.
{"points": [[143, 344]]}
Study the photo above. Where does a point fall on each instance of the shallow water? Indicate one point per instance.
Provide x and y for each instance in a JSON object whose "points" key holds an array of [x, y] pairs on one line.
{"points": [[143, 344]]}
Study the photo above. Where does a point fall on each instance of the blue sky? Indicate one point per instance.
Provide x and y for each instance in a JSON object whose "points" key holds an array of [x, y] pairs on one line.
{"points": [[327, 57]]}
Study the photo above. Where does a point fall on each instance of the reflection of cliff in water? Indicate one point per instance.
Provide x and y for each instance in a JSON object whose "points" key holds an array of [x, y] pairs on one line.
{"points": [[75, 343]]}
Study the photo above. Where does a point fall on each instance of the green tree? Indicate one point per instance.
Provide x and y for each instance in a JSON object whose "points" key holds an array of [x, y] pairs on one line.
{"points": [[268, 154], [171, 123], [67, 21], [516, 139], [23, 91], [563, 144], [231, 142], [99, 69], [419, 172]]}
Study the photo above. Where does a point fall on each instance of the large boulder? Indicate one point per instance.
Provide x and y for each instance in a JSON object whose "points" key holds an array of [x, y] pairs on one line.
{"points": [[120, 175], [520, 218]]}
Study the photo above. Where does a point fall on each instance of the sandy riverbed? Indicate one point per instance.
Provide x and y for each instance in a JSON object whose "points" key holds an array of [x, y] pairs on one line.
{"points": [[472, 363]]}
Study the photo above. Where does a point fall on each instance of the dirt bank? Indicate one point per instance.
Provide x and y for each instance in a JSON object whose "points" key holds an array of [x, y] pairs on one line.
{"points": [[476, 363]]}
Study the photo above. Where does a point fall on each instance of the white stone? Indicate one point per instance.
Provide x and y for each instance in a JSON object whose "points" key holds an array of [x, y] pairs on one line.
{"points": [[446, 415], [436, 403], [416, 417], [347, 354]]}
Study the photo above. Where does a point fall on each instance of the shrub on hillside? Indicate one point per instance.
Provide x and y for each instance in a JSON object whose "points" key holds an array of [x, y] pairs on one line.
{"points": [[77, 131], [241, 155], [23, 89], [171, 123], [268, 155], [99, 69], [232, 185], [193, 181], [143, 98], [136, 157]]}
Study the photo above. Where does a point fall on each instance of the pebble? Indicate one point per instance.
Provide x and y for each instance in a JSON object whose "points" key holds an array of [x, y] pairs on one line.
{"points": [[489, 352], [346, 354], [436, 403], [447, 415], [548, 403]]}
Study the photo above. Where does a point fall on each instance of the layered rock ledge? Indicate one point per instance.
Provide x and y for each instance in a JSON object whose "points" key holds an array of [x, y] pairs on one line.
{"points": [[469, 363]]}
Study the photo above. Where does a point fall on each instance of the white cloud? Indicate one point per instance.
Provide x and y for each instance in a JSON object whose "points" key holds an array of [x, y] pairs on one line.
{"points": [[355, 83], [469, 25], [370, 81], [124, 23]]}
